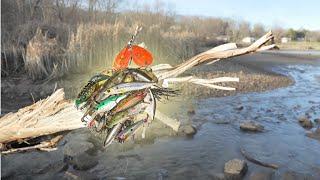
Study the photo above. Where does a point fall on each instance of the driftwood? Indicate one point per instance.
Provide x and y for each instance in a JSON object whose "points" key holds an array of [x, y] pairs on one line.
{"points": [[251, 159], [43, 146], [55, 114]]}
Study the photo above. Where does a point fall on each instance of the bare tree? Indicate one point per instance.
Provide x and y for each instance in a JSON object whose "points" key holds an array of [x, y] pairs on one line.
{"points": [[258, 30]]}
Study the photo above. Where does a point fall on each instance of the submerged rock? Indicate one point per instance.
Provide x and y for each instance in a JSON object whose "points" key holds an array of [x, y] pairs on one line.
{"points": [[217, 176], [305, 122], [221, 121], [162, 174], [235, 169], [191, 111], [79, 175], [188, 130], [315, 134], [239, 108], [251, 126], [261, 175], [77, 148], [83, 162], [290, 175]]}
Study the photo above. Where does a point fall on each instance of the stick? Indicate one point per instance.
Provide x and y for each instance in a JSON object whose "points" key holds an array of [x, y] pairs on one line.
{"points": [[44, 146], [273, 166], [208, 56]]}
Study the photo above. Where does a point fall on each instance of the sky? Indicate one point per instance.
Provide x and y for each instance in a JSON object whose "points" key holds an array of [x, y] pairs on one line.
{"points": [[281, 13]]}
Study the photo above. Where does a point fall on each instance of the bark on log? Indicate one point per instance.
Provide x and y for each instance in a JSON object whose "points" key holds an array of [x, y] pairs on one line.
{"points": [[55, 114]]}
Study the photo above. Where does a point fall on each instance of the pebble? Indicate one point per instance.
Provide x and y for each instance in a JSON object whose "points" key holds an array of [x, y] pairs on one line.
{"points": [[162, 174], [305, 122], [239, 108], [251, 126]]}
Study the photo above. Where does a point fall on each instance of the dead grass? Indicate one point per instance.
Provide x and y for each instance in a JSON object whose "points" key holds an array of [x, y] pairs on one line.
{"points": [[94, 46], [304, 45]]}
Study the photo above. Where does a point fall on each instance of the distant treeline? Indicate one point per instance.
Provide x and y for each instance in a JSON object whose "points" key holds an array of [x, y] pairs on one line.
{"points": [[81, 33]]}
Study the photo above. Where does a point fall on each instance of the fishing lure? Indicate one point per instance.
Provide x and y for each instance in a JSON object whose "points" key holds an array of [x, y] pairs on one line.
{"points": [[111, 135], [128, 87], [116, 79], [131, 100], [94, 83], [124, 134], [144, 74]]}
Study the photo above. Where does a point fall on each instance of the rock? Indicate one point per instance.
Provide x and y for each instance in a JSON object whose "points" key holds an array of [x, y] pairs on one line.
{"points": [[188, 130], [221, 121], [305, 122], [261, 175], [251, 126], [317, 120], [315, 134], [80, 175], [77, 148], [162, 174], [235, 169], [239, 108], [191, 111], [83, 162]]}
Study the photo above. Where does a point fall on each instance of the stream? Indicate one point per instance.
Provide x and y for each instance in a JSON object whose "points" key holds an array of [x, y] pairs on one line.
{"points": [[219, 138]]}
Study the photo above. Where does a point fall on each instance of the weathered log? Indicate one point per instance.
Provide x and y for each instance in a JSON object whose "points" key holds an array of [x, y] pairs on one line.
{"points": [[48, 116], [55, 114]]}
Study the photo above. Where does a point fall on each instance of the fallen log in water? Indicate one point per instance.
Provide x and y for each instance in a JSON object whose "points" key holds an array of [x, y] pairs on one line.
{"points": [[55, 114]]}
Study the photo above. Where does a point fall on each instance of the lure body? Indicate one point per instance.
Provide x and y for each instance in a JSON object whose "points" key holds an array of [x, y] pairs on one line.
{"points": [[127, 87], [124, 134], [144, 75], [94, 83], [111, 135], [128, 102], [116, 79]]}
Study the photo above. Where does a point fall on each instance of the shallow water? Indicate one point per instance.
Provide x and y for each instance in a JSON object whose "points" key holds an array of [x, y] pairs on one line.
{"points": [[283, 142]]}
